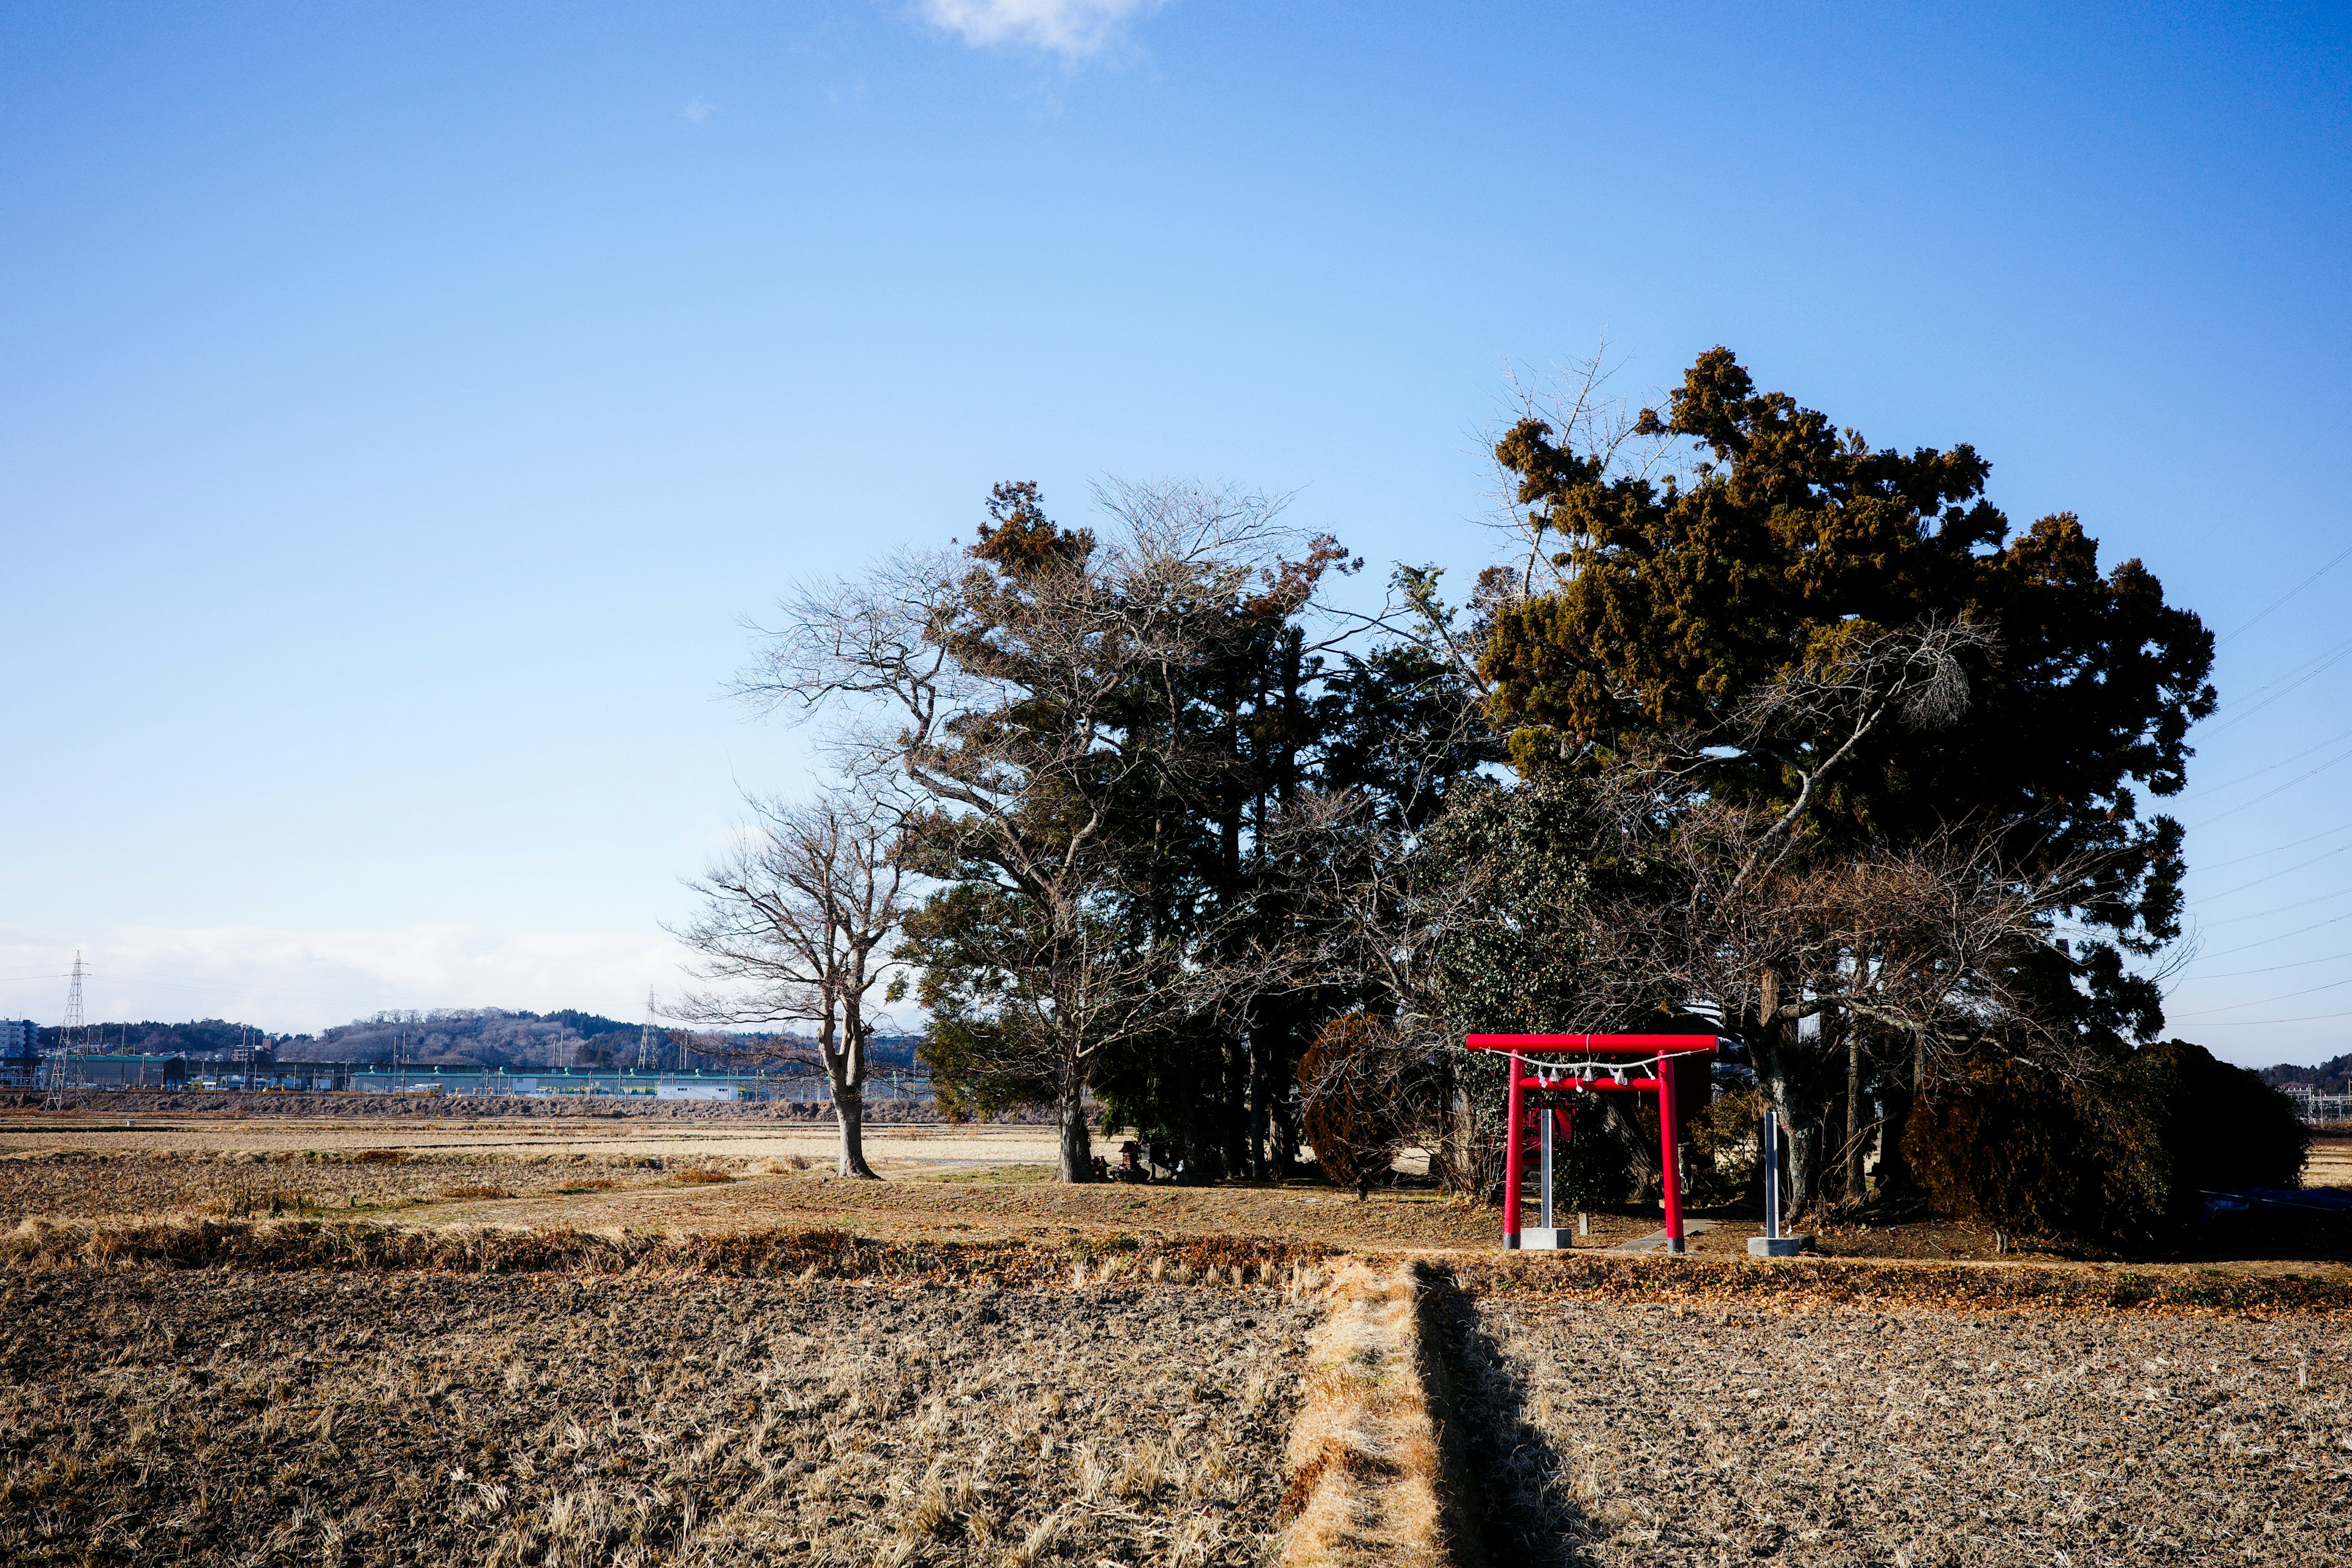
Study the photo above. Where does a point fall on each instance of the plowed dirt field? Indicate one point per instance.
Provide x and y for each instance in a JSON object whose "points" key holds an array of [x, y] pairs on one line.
{"points": [[1610, 1433], [155, 1416]]}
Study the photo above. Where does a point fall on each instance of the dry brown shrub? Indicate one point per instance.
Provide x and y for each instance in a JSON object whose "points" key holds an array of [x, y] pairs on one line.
{"points": [[1355, 1116], [476, 1192], [379, 1156], [700, 1177]]}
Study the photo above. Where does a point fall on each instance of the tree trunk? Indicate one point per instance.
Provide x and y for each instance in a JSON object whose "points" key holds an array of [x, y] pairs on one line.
{"points": [[1078, 1142], [1804, 1170], [1265, 1039], [1233, 1146], [845, 1072], [1774, 1072], [1854, 1124], [1893, 1169], [1786, 1092], [849, 1111]]}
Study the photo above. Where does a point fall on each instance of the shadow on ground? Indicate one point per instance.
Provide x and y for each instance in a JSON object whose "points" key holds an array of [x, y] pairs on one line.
{"points": [[1518, 1480]]}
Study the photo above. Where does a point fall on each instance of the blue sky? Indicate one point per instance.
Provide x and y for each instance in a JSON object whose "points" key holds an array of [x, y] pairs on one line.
{"points": [[400, 407]]}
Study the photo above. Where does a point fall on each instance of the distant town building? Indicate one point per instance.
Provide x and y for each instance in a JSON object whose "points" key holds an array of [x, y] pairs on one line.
{"points": [[20, 1052]]}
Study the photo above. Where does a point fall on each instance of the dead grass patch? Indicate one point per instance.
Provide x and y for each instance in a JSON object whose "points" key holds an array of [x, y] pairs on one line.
{"points": [[1363, 1457], [766, 1252], [147, 1415], [1805, 1284], [1608, 1434]]}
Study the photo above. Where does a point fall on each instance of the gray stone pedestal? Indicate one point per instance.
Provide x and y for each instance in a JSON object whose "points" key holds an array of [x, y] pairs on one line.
{"points": [[1775, 1246]]}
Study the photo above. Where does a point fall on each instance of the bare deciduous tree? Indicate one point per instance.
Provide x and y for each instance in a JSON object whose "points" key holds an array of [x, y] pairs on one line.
{"points": [[798, 927], [1028, 691]]}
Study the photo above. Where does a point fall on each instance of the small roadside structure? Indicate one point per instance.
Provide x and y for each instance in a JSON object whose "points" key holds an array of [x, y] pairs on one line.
{"points": [[697, 1091]]}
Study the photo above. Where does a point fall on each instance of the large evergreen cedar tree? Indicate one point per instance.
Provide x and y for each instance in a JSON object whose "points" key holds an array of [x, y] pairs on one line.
{"points": [[1200, 754], [1676, 603]]}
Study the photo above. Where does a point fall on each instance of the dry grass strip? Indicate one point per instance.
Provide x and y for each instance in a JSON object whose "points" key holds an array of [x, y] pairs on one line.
{"points": [[769, 1252], [1806, 1284], [1364, 1456]]}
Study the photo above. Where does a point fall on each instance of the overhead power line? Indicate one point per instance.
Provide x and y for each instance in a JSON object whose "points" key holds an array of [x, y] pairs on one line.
{"points": [[2273, 767], [2281, 871], [2268, 1001], [2273, 968], [2273, 849], [2283, 936], [2315, 665], [2280, 789], [2256, 1023], [2279, 909], [2332, 561]]}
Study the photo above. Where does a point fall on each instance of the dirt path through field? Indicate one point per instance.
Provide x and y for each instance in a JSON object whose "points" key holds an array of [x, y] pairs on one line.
{"points": [[1362, 1458]]}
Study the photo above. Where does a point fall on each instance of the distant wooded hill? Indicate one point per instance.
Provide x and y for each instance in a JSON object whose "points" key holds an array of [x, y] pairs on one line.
{"points": [[201, 1037], [471, 1036], [2330, 1077]]}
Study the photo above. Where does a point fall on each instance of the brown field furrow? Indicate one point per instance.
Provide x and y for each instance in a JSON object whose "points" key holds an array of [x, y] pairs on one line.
{"points": [[160, 1416], [748, 1138], [292, 1245], [1609, 1432], [93, 1185], [981, 1208]]}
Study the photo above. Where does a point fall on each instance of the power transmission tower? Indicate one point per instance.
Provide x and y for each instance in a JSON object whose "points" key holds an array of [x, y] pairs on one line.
{"points": [[70, 1039], [645, 1037]]}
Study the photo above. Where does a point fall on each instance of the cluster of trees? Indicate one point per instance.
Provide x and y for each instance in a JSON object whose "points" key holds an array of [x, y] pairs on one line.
{"points": [[1756, 730], [198, 1036], [473, 1037], [566, 1038], [480, 1036], [2332, 1075]]}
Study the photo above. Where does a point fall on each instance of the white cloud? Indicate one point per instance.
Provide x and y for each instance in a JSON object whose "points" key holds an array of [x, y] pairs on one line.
{"points": [[700, 111], [1071, 28]]}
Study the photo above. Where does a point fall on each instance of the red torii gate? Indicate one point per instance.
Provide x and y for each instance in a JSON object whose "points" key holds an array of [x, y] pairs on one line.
{"points": [[1609, 1064]]}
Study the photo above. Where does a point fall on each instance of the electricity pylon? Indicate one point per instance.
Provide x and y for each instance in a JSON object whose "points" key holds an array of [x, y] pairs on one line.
{"points": [[69, 1037]]}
